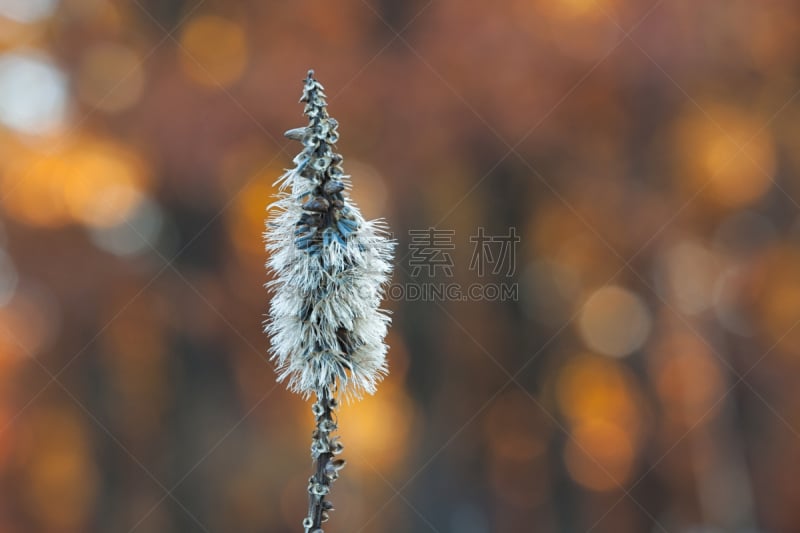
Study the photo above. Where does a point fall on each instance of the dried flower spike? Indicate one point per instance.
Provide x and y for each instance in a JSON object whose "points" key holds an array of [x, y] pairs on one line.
{"points": [[330, 267]]}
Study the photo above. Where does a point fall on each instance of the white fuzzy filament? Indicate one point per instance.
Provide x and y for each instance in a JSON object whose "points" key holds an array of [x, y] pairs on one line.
{"points": [[330, 267]]}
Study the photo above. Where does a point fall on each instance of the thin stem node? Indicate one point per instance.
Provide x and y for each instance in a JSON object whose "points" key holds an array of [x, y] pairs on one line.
{"points": [[326, 469]]}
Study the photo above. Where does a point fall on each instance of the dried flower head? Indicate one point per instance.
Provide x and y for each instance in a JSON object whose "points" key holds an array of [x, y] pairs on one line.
{"points": [[330, 268]]}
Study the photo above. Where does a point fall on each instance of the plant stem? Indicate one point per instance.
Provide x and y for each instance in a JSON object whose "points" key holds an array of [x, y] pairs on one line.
{"points": [[326, 468]]}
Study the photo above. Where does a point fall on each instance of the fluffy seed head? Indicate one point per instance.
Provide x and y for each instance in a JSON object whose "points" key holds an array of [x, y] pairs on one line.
{"points": [[330, 267]]}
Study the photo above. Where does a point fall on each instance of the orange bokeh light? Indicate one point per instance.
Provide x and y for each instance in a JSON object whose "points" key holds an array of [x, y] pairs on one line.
{"points": [[60, 481], [248, 214], [728, 154], [600, 455], [97, 183], [377, 429], [603, 405], [213, 51], [777, 297], [595, 388]]}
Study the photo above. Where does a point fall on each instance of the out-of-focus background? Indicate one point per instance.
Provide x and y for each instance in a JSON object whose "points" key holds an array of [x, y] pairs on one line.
{"points": [[607, 189]]}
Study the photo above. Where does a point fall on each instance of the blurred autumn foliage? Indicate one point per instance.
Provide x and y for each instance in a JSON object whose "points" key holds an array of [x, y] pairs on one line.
{"points": [[644, 378]]}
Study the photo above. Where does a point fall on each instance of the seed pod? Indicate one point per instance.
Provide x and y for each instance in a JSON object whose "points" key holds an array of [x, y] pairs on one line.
{"points": [[311, 219], [327, 425], [333, 186], [318, 204], [318, 447], [319, 489], [321, 163], [309, 142], [336, 447], [295, 134]]}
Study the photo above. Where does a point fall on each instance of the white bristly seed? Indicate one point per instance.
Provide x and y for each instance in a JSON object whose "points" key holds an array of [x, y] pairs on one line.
{"points": [[330, 268]]}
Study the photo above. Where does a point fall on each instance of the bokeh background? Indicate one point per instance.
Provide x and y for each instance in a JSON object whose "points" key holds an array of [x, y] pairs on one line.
{"points": [[643, 379]]}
